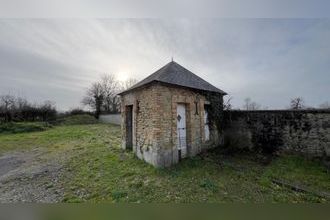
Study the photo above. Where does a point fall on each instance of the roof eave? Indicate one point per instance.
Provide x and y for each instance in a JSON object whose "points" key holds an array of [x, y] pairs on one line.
{"points": [[140, 87], [134, 88]]}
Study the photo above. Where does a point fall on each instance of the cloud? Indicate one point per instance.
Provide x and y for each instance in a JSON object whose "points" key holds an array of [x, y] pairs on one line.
{"points": [[269, 60], [165, 9]]}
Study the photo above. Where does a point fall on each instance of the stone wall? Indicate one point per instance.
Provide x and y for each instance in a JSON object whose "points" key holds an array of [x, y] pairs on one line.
{"points": [[155, 123], [144, 113], [301, 131], [166, 137], [111, 118]]}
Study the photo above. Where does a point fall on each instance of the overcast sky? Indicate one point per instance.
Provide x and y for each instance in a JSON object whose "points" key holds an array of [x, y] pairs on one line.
{"points": [[269, 60], [165, 8]]}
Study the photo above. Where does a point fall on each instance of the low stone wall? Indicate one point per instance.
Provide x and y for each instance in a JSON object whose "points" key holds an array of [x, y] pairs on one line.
{"points": [[301, 131], [111, 118]]}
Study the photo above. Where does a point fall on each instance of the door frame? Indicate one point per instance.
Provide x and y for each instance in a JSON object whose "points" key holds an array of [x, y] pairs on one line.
{"points": [[180, 155], [206, 122], [129, 127]]}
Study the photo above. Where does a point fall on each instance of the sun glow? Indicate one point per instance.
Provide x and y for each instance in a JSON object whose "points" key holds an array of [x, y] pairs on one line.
{"points": [[122, 76]]}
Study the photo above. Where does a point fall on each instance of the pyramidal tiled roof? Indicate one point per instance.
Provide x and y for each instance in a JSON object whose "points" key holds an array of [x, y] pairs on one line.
{"points": [[175, 74]]}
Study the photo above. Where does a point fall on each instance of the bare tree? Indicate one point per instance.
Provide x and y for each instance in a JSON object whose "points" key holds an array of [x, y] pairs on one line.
{"points": [[255, 106], [297, 103], [124, 86], [7, 106], [14, 108], [227, 103], [110, 87], [128, 83], [325, 105], [250, 105], [47, 110], [247, 102], [94, 98], [7, 102], [21, 103], [102, 96]]}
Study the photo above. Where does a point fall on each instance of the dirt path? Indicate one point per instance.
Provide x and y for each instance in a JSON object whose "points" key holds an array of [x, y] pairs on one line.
{"points": [[29, 177]]}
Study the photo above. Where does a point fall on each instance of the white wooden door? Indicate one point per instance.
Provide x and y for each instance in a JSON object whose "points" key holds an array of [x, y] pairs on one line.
{"points": [[181, 130], [206, 126]]}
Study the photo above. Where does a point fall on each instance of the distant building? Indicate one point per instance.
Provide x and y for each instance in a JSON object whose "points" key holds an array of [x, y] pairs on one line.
{"points": [[165, 116]]}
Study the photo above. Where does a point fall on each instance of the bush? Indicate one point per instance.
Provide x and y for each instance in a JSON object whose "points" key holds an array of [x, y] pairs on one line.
{"points": [[21, 127], [78, 111], [17, 109]]}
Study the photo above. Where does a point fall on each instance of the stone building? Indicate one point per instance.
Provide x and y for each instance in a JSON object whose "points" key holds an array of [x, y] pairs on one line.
{"points": [[165, 116]]}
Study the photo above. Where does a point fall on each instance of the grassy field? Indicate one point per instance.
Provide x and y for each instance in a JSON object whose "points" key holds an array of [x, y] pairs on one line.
{"points": [[95, 169]]}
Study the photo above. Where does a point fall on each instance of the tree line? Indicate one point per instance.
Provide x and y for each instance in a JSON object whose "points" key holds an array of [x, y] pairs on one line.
{"points": [[296, 103], [14, 108], [102, 95]]}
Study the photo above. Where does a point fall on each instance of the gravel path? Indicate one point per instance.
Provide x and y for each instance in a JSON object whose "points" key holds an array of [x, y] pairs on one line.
{"points": [[29, 177]]}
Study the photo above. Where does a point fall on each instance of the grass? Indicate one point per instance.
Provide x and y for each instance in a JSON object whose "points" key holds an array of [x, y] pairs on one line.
{"points": [[96, 169], [299, 170]]}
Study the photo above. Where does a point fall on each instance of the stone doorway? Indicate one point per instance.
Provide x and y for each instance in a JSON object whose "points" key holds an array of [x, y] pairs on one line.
{"points": [[181, 130], [129, 127]]}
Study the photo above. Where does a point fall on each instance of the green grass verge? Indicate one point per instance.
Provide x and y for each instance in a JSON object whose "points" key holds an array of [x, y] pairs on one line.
{"points": [[78, 120], [96, 169]]}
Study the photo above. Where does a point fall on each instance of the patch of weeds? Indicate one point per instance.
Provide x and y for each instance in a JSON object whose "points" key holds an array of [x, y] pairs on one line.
{"points": [[299, 170], [117, 195], [209, 185], [194, 162], [71, 199], [136, 184], [265, 182], [94, 195], [50, 185], [128, 174], [174, 173], [168, 172]]}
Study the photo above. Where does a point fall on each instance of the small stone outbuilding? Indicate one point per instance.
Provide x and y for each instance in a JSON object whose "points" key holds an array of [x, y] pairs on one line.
{"points": [[165, 116]]}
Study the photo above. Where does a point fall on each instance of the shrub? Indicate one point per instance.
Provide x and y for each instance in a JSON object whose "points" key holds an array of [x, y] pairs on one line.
{"points": [[17, 109], [78, 111], [21, 127]]}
